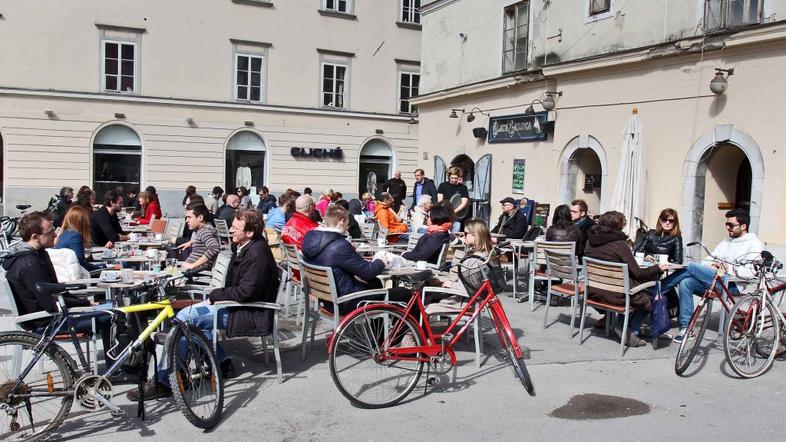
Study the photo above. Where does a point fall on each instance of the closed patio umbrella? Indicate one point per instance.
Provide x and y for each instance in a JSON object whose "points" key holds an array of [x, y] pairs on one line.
{"points": [[631, 183]]}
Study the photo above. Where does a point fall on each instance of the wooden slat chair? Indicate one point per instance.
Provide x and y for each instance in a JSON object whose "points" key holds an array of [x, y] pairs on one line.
{"points": [[319, 285], [413, 241], [538, 259], [158, 225], [174, 228], [563, 265], [294, 284], [613, 277], [369, 230]]}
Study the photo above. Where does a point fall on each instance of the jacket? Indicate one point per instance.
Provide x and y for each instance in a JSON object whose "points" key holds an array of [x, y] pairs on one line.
{"points": [[387, 220], [397, 188], [611, 245], [212, 203], [584, 225], [428, 247], [252, 277], [71, 239], [276, 218], [296, 228], [569, 233], [66, 265], [429, 188], [326, 247], [515, 226], [104, 227], [153, 208], [267, 203], [26, 267], [226, 213], [745, 247], [60, 210], [655, 243]]}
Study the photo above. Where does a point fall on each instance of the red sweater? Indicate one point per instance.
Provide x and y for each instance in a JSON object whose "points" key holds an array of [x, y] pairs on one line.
{"points": [[153, 208], [296, 228]]}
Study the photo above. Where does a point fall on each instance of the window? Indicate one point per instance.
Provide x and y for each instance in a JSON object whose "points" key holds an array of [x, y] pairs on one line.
{"points": [[117, 159], [720, 14], [334, 83], [249, 77], [343, 6], [410, 11], [514, 51], [598, 6], [119, 67], [409, 82]]}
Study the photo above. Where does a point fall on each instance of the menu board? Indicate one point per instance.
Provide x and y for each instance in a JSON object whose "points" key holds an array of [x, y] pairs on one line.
{"points": [[541, 216], [519, 167]]}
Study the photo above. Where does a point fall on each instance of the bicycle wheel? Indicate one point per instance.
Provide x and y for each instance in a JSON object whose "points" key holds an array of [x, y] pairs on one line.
{"points": [[752, 337], [195, 376], [694, 333], [363, 370], [519, 367], [44, 398], [778, 302]]}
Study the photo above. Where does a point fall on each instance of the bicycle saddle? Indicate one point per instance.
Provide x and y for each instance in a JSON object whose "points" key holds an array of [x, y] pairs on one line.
{"points": [[417, 278], [50, 288], [23, 206]]}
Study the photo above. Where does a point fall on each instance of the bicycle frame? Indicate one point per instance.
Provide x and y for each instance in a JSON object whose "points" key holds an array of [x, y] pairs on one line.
{"points": [[713, 292]]}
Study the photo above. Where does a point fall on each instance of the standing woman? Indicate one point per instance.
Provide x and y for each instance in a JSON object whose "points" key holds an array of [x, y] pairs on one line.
{"points": [[75, 235], [664, 239], [150, 207], [245, 198]]}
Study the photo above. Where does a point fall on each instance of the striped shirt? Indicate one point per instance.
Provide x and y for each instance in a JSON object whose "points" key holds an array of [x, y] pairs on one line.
{"points": [[205, 242]]}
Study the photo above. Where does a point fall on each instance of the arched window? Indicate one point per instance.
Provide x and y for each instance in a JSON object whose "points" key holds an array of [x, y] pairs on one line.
{"points": [[117, 159], [376, 161], [245, 161]]}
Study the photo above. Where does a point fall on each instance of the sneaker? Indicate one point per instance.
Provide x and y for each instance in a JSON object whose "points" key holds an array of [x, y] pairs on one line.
{"points": [[153, 390], [632, 340], [679, 338]]}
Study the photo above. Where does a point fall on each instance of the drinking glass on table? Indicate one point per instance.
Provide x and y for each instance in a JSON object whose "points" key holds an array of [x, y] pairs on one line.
{"points": [[171, 265]]}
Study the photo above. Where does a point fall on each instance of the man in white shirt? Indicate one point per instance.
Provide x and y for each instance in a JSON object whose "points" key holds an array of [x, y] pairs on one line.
{"points": [[741, 245], [421, 212]]}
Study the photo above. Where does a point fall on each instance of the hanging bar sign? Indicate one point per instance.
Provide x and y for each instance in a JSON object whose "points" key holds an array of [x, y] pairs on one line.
{"points": [[518, 128]]}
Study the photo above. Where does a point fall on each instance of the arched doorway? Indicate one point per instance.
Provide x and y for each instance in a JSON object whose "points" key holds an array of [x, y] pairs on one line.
{"points": [[466, 164], [376, 166], [117, 159], [245, 161], [583, 172]]}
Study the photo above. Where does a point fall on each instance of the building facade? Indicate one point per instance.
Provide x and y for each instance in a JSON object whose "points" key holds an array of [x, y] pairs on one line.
{"points": [[234, 93], [485, 63]]}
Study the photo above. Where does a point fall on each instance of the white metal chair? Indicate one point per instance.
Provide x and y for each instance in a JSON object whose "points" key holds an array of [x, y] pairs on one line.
{"points": [[223, 231], [174, 228], [369, 230], [218, 277], [538, 259], [612, 277], [413, 241], [294, 283], [562, 265]]}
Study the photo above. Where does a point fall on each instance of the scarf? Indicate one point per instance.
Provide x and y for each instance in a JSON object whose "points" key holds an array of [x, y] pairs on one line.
{"points": [[439, 228]]}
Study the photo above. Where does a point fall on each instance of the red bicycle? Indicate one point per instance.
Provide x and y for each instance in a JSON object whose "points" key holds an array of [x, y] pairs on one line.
{"points": [[378, 351]]}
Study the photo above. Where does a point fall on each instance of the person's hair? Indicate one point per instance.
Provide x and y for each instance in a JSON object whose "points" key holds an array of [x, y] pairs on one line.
{"points": [[455, 170], [328, 193], [283, 198], [83, 200], [242, 190], [111, 196], [201, 210], [385, 197], [334, 214], [254, 221], [366, 196], [582, 205], [423, 199], [196, 199], [743, 217], [31, 224], [303, 202], [65, 190], [145, 197], [338, 196], [665, 214], [150, 189], [561, 218], [218, 190], [480, 230], [613, 220], [308, 191], [264, 189], [190, 191], [420, 171], [449, 207], [85, 189], [78, 219], [344, 204], [440, 215]]}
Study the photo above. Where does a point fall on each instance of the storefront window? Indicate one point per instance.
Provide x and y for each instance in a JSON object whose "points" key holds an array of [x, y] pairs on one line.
{"points": [[245, 161], [117, 160], [376, 159]]}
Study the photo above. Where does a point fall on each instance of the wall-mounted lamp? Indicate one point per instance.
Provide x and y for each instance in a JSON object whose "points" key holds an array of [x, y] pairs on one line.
{"points": [[453, 113], [719, 83], [49, 113], [120, 115], [191, 122], [549, 103], [471, 116], [379, 131], [249, 123]]}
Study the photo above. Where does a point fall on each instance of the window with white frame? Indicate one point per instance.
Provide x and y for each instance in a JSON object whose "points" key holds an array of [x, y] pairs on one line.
{"points": [[119, 66], [343, 6], [408, 85], [516, 37], [410, 11], [720, 14], [334, 85], [249, 77], [599, 6]]}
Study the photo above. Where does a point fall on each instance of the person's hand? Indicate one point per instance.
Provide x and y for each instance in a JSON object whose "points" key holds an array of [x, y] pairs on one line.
{"points": [[664, 267], [649, 258], [187, 265], [109, 245], [184, 246]]}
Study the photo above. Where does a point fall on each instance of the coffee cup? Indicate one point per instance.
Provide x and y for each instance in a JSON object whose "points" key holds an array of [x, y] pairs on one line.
{"points": [[151, 253], [109, 275]]}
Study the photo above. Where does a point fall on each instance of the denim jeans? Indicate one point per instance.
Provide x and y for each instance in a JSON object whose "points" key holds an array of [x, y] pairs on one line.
{"points": [[694, 280], [200, 315]]}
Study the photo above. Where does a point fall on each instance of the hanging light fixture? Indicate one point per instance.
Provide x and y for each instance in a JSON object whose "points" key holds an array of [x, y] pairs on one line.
{"points": [[453, 113], [549, 103], [720, 83], [471, 117]]}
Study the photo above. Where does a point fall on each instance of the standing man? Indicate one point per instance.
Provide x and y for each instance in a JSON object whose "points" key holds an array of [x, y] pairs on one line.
{"points": [[423, 186], [301, 223], [212, 200], [397, 188], [104, 225], [578, 213], [266, 200], [457, 194], [512, 222]]}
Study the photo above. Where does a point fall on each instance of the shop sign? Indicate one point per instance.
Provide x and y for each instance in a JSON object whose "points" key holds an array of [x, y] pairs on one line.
{"points": [[518, 128], [317, 153], [519, 165]]}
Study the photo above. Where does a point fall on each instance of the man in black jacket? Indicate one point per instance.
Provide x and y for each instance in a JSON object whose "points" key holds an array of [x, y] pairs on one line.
{"points": [[397, 188], [62, 206], [104, 225], [228, 210], [512, 222], [423, 186], [578, 212]]}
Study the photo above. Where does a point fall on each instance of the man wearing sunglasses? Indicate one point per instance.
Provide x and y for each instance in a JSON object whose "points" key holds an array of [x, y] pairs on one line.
{"points": [[741, 245]]}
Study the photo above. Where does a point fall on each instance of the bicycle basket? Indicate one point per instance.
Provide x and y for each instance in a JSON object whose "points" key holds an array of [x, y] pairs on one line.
{"points": [[473, 272]]}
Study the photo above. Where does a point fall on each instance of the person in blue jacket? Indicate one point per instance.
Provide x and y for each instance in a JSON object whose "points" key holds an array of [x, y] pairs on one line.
{"points": [[75, 235]]}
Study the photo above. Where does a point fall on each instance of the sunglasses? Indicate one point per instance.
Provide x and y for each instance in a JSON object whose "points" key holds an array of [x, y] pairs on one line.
{"points": [[731, 225], [668, 220]]}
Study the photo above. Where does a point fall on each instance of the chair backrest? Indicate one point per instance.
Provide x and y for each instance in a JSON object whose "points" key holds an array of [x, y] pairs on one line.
{"points": [[541, 246], [218, 277], [174, 227], [560, 264], [381, 231], [605, 275], [413, 241], [222, 228], [369, 230], [318, 282], [5, 287], [443, 256], [292, 256], [158, 225]]}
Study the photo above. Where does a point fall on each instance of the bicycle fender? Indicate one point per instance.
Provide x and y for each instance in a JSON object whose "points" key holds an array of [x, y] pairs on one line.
{"points": [[362, 310]]}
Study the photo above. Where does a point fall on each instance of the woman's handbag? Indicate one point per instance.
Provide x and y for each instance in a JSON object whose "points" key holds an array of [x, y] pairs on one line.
{"points": [[660, 322]]}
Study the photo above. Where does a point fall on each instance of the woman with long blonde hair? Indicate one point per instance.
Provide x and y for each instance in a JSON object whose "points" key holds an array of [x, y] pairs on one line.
{"points": [[75, 235]]}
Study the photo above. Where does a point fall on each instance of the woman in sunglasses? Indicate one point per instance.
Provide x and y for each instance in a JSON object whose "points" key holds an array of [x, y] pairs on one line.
{"points": [[664, 239]]}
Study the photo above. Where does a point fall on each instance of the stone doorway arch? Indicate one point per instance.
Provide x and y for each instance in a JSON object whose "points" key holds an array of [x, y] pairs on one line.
{"points": [[577, 147]]}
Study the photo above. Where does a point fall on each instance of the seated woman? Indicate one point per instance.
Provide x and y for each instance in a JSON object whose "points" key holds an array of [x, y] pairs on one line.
{"points": [[562, 228], [388, 219], [664, 239], [607, 242], [150, 207], [204, 243], [369, 205], [437, 235], [75, 235], [276, 217]]}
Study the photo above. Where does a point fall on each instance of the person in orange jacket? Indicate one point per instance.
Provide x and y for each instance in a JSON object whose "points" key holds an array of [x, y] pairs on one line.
{"points": [[388, 219]]}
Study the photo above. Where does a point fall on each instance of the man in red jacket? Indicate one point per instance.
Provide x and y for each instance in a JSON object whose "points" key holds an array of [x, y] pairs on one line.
{"points": [[296, 228]]}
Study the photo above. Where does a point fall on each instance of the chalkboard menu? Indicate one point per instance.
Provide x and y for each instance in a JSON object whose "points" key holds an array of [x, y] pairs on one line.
{"points": [[518, 128], [519, 167], [541, 216]]}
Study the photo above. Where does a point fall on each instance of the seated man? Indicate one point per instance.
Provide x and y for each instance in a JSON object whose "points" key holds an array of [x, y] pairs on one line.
{"points": [[227, 211], [104, 225], [252, 277], [696, 278], [420, 213], [301, 223], [204, 243], [353, 229], [512, 222], [388, 219]]}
